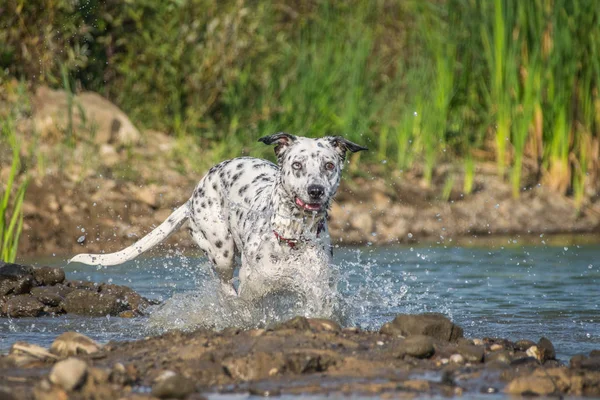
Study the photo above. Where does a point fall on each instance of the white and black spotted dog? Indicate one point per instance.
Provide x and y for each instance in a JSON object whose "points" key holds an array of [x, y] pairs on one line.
{"points": [[273, 216]]}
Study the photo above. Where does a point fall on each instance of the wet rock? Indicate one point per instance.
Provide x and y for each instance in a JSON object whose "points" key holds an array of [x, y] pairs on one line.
{"points": [[46, 391], [417, 385], [296, 323], [546, 348], [85, 285], [51, 295], [531, 385], [523, 345], [309, 360], [69, 374], [535, 352], [175, 386], [15, 279], [32, 350], [471, 353], [428, 324], [591, 364], [73, 343], [23, 305], [457, 359], [576, 360], [500, 356], [14, 271], [48, 276], [418, 346], [254, 366], [85, 302], [595, 353], [126, 296], [324, 325]]}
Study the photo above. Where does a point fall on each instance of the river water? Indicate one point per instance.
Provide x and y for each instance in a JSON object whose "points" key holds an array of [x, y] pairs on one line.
{"points": [[512, 291]]}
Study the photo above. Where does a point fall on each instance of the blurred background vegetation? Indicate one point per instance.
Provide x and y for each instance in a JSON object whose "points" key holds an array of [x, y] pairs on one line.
{"points": [[420, 82]]}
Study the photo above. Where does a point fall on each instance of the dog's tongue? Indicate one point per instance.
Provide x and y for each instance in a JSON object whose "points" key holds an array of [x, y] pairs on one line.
{"points": [[308, 206]]}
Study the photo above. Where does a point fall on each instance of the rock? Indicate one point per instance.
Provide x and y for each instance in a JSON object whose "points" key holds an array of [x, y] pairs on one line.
{"points": [[91, 110], [259, 365], [595, 353], [428, 324], [175, 386], [69, 374], [417, 385], [35, 351], [500, 356], [15, 279], [591, 364], [324, 325], [49, 276], [471, 353], [523, 345], [296, 323], [73, 343], [45, 391], [531, 385], [534, 352], [418, 346], [126, 296], [309, 360], [23, 305], [85, 302], [457, 359], [546, 349], [85, 285], [51, 295], [576, 360]]}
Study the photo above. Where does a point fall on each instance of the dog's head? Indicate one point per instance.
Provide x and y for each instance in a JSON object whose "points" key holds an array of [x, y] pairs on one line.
{"points": [[310, 168]]}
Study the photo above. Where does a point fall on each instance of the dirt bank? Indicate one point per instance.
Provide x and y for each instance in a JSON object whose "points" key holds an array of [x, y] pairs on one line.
{"points": [[105, 209], [412, 355]]}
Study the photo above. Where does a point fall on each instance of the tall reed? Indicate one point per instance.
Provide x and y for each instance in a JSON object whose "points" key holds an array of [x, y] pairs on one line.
{"points": [[11, 212]]}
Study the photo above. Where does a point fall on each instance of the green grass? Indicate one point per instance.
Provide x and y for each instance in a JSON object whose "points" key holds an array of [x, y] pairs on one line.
{"points": [[11, 209], [419, 82]]}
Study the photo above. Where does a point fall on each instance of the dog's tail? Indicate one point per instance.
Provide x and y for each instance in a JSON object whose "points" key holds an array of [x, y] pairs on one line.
{"points": [[153, 238]]}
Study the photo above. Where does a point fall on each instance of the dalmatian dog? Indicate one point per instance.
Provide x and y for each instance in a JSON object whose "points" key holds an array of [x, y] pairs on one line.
{"points": [[272, 217]]}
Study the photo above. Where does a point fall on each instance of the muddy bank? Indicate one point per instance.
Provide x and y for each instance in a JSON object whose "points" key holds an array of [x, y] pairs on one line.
{"points": [[411, 355], [27, 291], [65, 216]]}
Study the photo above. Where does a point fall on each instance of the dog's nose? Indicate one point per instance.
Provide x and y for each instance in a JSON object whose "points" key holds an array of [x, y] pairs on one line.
{"points": [[316, 192]]}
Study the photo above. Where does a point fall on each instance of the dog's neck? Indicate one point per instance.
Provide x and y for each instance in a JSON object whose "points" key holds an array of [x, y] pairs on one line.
{"points": [[289, 222]]}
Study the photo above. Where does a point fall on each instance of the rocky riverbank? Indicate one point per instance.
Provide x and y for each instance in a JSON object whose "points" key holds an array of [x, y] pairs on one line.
{"points": [[410, 356], [43, 291]]}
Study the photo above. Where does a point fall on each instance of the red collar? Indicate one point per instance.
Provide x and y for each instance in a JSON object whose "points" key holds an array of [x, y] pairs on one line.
{"points": [[293, 242]]}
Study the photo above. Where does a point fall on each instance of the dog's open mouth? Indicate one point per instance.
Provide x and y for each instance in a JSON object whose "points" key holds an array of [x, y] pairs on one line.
{"points": [[308, 206]]}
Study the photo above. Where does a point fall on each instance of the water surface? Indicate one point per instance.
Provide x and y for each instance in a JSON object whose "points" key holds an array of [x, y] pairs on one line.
{"points": [[511, 291]]}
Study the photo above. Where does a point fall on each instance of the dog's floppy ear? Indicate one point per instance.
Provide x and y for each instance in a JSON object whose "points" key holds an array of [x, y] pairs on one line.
{"points": [[282, 142], [342, 145]]}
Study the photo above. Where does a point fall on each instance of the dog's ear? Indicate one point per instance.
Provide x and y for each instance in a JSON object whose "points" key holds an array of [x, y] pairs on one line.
{"points": [[342, 145], [282, 142]]}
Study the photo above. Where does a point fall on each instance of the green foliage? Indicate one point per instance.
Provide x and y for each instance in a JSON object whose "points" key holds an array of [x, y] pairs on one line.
{"points": [[11, 212], [418, 81]]}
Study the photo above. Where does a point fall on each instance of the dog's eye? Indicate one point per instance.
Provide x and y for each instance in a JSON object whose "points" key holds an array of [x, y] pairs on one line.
{"points": [[329, 166], [296, 165]]}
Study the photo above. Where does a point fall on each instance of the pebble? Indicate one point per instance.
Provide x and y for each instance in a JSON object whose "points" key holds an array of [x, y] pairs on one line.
{"points": [[496, 347], [457, 359], [523, 345], [500, 356], [73, 343], [69, 374], [32, 350]]}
